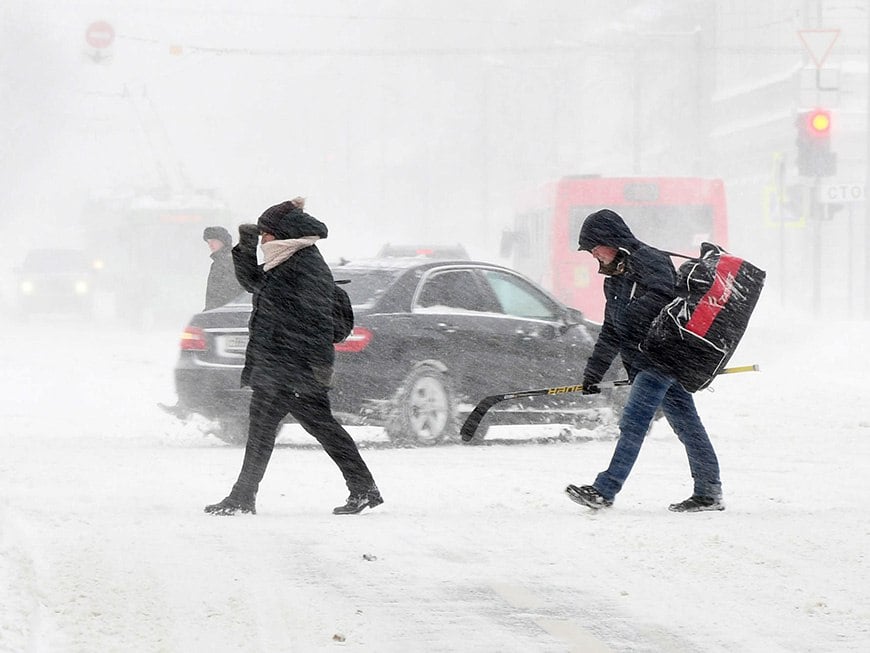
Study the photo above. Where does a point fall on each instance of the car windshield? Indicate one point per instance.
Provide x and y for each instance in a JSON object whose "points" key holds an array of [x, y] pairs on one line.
{"points": [[365, 285]]}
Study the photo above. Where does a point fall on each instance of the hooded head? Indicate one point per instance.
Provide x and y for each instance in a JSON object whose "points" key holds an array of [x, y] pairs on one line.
{"points": [[606, 227], [218, 233], [287, 220]]}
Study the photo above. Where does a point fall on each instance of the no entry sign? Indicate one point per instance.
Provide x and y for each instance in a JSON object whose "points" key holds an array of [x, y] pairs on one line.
{"points": [[99, 34]]}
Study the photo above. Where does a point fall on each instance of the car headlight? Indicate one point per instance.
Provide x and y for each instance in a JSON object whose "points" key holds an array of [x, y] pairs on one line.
{"points": [[81, 287], [27, 287]]}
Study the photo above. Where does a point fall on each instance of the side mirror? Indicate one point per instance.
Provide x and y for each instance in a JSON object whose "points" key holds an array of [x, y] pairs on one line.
{"points": [[574, 316], [571, 318]]}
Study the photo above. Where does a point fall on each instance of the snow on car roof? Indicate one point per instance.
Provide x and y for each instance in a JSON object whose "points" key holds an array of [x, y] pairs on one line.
{"points": [[401, 263]]}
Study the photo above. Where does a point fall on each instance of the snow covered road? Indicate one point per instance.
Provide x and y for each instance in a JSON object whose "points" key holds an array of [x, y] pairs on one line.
{"points": [[104, 546]]}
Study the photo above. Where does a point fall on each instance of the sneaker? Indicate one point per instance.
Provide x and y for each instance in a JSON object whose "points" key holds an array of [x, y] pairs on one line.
{"points": [[358, 501], [588, 496], [230, 506], [697, 503]]}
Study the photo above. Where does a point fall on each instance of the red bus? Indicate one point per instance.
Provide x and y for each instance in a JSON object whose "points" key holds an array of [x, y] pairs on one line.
{"points": [[673, 213]]}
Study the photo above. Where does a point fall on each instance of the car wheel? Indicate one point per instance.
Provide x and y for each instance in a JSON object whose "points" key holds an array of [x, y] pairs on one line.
{"points": [[233, 430], [424, 408]]}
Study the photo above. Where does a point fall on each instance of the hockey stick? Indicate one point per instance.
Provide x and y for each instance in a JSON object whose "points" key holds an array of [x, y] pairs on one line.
{"points": [[476, 416]]}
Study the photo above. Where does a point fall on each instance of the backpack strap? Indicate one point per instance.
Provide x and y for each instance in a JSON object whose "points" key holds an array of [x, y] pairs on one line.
{"points": [[688, 258], [706, 250]]}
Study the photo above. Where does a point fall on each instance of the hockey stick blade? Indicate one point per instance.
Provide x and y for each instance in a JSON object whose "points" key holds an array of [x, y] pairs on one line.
{"points": [[469, 427], [475, 417]]}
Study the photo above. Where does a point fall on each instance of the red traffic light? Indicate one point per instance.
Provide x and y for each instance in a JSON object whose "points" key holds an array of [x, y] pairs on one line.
{"points": [[819, 121], [814, 155]]}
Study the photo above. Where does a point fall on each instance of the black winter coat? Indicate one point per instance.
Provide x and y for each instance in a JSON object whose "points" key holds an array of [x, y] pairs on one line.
{"points": [[290, 328], [633, 298], [222, 285]]}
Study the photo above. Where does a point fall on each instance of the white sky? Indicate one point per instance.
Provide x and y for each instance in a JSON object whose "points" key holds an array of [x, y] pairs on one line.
{"points": [[398, 120]]}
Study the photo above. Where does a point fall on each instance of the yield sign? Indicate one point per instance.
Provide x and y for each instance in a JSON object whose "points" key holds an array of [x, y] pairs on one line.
{"points": [[819, 43]]}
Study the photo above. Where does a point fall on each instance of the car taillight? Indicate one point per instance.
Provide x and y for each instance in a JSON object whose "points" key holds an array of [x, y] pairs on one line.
{"points": [[193, 339], [358, 340]]}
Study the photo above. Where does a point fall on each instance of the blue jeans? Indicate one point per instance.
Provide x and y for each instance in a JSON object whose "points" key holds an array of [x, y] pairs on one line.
{"points": [[649, 390]]}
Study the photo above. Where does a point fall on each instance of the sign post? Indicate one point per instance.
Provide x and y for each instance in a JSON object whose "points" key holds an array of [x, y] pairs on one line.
{"points": [[819, 43], [99, 36]]}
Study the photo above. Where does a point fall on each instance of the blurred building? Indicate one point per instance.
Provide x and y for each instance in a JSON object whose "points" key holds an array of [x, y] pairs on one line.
{"points": [[773, 62]]}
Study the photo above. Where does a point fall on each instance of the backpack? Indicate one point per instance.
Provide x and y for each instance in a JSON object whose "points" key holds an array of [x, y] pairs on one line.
{"points": [[694, 336], [342, 313]]}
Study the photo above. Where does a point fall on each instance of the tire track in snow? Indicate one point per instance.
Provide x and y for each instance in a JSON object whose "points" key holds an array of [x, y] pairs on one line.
{"points": [[585, 624]]}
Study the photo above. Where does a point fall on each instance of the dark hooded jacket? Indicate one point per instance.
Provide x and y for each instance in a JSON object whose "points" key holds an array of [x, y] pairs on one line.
{"points": [[633, 298], [222, 285], [290, 328]]}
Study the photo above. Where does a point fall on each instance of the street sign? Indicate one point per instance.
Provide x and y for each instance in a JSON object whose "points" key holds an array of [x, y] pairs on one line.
{"points": [[838, 193], [100, 34], [819, 43]]}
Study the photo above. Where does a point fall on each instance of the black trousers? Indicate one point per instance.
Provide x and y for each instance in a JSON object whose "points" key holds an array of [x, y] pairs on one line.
{"points": [[314, 413]]}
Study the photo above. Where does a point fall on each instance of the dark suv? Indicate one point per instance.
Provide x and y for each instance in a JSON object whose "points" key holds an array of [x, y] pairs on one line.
{"points": [[431, 339]]}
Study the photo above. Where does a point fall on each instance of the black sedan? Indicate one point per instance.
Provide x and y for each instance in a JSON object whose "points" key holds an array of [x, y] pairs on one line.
{"points": [[431, 338]]}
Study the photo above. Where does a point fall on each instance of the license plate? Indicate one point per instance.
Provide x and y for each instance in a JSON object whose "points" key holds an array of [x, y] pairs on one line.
{"points": [[235, 343]]}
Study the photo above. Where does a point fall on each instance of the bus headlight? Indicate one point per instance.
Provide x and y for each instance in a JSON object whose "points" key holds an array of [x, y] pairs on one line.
{"points": [[81, 287], [27, 287]]}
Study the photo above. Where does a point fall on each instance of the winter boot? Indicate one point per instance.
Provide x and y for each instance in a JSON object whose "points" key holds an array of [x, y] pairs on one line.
{"points": [[230, 506], [697, 503], [358, 501], [588, 496]]}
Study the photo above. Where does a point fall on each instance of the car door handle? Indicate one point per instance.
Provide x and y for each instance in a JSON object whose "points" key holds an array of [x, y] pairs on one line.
{"points": [[546, 332]]}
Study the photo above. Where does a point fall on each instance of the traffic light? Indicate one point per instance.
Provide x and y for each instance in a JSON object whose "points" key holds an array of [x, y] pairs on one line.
{"points": [[814, 156]]}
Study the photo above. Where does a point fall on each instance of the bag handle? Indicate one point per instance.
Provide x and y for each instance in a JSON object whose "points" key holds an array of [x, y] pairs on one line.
{"points": [[688, 258], [704, 246]]}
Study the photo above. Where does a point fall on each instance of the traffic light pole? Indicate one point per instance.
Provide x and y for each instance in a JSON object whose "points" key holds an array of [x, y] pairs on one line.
{"points": [[816, 221]]}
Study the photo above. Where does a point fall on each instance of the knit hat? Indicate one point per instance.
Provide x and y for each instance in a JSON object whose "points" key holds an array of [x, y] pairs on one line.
{"points": [[286, 220], [217, 233]]}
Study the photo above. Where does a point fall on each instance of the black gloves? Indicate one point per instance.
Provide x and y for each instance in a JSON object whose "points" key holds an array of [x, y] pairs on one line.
{"points": [[249, 235], [590, 387]]}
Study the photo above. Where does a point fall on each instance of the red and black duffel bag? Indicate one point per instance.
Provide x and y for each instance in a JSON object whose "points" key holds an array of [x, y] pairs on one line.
{"points": [[695, 335]]}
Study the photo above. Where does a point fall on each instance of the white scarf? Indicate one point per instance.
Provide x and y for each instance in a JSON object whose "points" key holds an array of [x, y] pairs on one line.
{"points": [[276, 252]]}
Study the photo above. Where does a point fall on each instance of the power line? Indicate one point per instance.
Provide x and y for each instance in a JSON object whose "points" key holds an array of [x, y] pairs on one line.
{"points": [[561, 49]]}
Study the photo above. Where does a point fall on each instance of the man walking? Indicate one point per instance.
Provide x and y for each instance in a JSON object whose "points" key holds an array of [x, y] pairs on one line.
{"points": [[289, 358], [640, 282]]}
